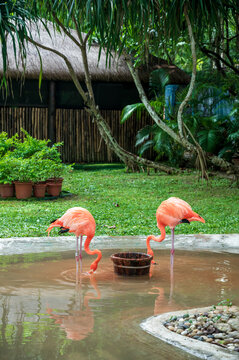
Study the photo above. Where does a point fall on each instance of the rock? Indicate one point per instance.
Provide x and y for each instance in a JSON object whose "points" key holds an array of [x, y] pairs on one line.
{"points": [[185, 332], [223, 327], [234, 323], [234, 334], [219, 336], [171, 328], [209, 340]]}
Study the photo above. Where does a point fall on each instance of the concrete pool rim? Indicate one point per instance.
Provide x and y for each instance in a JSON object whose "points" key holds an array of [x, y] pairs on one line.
{"points": [[154, 326], [226, 243]]}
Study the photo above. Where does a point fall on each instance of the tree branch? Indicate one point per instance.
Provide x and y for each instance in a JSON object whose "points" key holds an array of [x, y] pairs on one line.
{"points": [[216, 56], [193, 77]]}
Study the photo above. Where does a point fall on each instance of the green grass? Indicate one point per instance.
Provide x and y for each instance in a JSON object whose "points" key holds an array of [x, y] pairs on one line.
{"points": [[101, 188]]}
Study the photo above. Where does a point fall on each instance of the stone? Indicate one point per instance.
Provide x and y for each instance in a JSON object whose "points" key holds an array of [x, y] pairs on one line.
{"points": [[223, 327], [219, 336], [234, 323], [171, 328], [185, 332]]}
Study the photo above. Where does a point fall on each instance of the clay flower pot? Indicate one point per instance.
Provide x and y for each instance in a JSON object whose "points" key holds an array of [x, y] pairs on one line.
{"points": [[39, 189], [23, 189], [131, 263], [54, 186], [6, 190]]}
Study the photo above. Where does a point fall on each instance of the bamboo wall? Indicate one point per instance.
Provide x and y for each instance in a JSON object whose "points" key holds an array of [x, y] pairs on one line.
{"points": [[82, 141]]}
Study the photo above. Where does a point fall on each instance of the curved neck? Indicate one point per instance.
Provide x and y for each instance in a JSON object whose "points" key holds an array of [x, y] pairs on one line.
{"points": [[152, 237], [90, 252]]}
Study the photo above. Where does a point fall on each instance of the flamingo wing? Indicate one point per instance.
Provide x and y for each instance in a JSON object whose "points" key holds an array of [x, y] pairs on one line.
{"points": [[174, 210]]}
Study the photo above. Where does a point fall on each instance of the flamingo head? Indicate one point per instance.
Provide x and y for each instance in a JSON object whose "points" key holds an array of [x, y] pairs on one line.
{"points": [[93, 267]]}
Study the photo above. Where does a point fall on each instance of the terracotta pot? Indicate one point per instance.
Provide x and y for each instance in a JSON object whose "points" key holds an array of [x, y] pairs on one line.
{"points": [[6, 190], [131, 263], [39, 190], [54, 186], [23, 189]]}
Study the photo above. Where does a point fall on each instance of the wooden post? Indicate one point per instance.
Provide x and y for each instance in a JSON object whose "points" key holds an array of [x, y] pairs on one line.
{"points": [[52, 112]]}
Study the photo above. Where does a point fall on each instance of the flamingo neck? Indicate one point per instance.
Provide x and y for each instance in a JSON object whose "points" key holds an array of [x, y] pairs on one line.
{"points": [[90, 252], [152, 237]]}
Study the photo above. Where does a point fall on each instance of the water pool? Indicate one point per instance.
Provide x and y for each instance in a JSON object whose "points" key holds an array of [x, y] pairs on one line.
{"points": [[45, 315]]}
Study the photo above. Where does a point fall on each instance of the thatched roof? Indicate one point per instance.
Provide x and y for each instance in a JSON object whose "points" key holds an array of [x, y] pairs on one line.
{"points": [[54, 67]]}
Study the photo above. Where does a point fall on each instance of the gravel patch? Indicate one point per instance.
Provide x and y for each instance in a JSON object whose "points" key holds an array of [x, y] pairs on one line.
{"points": [[216, 326], [208, 333]]}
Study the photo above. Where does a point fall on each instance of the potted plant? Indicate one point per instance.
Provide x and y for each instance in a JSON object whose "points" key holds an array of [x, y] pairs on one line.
{"points": [[42, 170], [6, 177], [54, 182], [24, 173]]}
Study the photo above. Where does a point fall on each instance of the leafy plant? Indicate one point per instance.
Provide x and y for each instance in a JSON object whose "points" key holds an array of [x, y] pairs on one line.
{"points": [[6, 170], [7, 143], [42, 168], [24, 170], [151, 136], [58, 170], [29, 146]]}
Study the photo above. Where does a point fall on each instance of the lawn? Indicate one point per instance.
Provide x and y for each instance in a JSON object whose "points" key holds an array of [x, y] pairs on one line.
{"points": [[125, 203]]}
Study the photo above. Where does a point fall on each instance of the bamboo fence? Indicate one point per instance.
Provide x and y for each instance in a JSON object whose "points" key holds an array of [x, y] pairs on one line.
{"points": [[82, 142]]}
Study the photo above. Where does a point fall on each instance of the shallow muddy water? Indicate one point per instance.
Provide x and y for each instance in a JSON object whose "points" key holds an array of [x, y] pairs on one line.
{"points": [[45, 315]]}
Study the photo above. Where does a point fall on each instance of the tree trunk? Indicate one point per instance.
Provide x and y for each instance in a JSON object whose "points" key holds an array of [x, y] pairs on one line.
{"points": [[210, 159], [131, 160]]}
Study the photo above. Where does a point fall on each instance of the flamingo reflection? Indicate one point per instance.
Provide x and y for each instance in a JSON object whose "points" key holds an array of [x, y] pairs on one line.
{"points": [[164, 302], [78, 323]]}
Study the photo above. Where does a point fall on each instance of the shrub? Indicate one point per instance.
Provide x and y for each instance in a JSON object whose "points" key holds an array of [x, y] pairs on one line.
{"points": [[6, 170]]}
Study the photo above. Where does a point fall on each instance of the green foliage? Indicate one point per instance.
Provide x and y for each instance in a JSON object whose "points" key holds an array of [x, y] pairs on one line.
{"points": [[6, 143], [226, 302], [152, 136], [29, 146], [58, 170], [6, 170], [29, 159], [23, 170]]}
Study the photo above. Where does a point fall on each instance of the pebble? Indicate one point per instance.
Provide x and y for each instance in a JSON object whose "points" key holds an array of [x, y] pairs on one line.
{"points": [[218, 326]]}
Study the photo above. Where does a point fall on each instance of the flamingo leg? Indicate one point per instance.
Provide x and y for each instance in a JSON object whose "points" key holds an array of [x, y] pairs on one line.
{"points": [[172, 236], [80, 256], [77, 256], [171, 278]]}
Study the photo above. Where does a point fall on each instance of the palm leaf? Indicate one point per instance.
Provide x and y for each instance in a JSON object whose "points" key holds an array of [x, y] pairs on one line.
{"points": [[129, 110]]}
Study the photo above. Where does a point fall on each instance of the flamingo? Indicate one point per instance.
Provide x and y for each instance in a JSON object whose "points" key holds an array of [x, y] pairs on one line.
{"points": [[79, 221], [170, 213]]}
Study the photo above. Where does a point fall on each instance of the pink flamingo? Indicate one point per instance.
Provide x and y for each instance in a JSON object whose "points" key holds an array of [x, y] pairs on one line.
{"points": [[170, 213], [80, 222]]}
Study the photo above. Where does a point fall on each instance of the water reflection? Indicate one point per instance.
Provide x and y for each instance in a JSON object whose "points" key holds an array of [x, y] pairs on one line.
{"points": [[43, 315], [78, 322]]}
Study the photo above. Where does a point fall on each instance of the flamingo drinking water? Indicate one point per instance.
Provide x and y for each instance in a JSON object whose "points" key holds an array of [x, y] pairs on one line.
{"points": [[170, 213], [80, 222]]}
